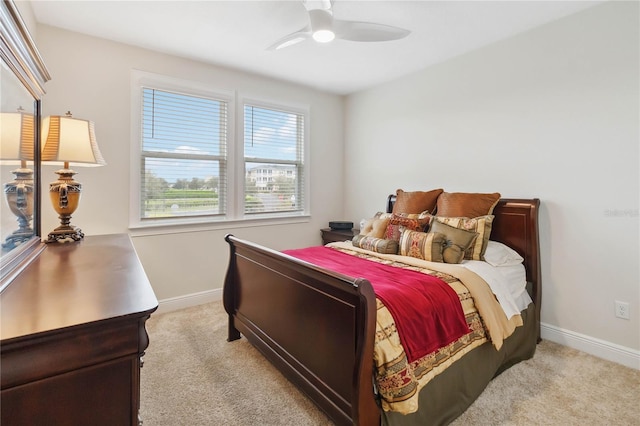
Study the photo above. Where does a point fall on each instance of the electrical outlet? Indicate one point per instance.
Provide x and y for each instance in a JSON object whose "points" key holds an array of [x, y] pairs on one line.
{"points": [[622, 309]]}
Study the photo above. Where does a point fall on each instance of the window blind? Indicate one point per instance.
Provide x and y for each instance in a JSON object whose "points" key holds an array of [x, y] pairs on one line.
{"points": [[183, 155], [273, 154]]}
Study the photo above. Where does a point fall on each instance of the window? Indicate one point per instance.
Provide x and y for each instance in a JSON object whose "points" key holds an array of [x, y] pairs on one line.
{"points": [[274, 160], [190, 164], [183, 157]]}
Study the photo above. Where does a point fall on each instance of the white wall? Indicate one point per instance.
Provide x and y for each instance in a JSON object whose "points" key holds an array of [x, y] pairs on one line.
{"points": [[91, 77], [552, 113]]}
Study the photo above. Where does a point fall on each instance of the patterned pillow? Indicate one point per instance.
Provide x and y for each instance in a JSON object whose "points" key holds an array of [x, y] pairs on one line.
{"points": [[416, 201], [457, 241], [378, 245], [422, 245], [481, 225], [400, 222], [465, 204], [374, 227]]}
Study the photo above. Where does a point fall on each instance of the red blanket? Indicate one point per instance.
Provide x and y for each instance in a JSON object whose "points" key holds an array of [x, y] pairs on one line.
{"points": [[426, 310]]}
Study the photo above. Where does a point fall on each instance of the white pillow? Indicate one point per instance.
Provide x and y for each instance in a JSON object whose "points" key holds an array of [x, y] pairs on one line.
{"points": [[498, 254]]}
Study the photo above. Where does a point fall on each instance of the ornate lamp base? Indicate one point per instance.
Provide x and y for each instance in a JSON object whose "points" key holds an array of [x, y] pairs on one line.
{"points": [[65, 196], [16, 238], [65, 232], [19, 197]]}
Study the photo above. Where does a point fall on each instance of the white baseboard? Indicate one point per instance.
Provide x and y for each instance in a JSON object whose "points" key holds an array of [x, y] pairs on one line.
{"points": [[188, 300], [596, 347]]}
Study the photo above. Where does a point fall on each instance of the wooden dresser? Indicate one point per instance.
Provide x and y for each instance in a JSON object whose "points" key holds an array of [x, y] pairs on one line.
{"points": [[73, 334]]}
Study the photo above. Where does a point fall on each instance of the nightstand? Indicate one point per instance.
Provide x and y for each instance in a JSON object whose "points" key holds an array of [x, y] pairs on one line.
{"points": [[331, 235]]}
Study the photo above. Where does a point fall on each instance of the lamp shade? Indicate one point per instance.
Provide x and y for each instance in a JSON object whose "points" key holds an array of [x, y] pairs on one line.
{"points": [[17, 143], [70, 140], [16, 137]]}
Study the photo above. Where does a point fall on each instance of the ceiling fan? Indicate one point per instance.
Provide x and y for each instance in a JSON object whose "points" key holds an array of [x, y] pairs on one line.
{"points": [[323, 28]]}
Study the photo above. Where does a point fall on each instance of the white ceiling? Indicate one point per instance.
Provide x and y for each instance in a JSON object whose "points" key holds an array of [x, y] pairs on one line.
{"points": [[236, 33]]}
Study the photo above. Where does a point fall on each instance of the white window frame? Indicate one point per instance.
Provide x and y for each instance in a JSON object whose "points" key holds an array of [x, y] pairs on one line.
{"points": [[287, 107], [234, 215]]}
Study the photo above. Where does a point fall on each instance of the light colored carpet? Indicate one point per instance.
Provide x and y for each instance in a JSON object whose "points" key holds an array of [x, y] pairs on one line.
{"points": [[193, 376]]}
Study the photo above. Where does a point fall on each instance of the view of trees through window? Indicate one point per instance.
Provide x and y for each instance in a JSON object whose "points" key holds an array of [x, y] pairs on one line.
{"points": [[195, 196], [184, 163], [200, 196]]}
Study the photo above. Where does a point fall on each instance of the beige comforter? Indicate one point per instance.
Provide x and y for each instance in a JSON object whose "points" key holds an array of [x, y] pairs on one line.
{"points": [[399, 381]]}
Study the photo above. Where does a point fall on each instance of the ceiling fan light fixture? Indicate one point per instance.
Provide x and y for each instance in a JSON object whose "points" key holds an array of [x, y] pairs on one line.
{"points": [[321, 25], [323, 36], [323, 28]]}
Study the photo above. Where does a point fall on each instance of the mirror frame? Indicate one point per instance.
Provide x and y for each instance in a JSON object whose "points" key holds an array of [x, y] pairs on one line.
{"points": [[18, 51]]}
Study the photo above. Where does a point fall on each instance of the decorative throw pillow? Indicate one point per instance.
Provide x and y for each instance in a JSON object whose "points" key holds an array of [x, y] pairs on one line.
{"points": [[400, 222], [375, 227], [422, 245], [457, 241], [416, 201], [378, 245], [464, 204], [481, 225]]}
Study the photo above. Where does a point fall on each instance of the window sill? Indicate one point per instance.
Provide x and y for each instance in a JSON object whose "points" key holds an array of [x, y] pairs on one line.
{"points": [[181, 227]]}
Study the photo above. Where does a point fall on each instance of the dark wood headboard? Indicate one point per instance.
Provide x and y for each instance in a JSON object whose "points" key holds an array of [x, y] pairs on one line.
{"points": [[516, 225]]}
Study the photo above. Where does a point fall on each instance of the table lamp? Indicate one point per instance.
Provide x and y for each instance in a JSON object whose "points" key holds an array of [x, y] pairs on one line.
{"points": [[71, 142], [17, 141]]}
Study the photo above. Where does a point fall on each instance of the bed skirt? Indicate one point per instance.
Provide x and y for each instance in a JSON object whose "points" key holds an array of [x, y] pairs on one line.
{"points": [[451, 392]]}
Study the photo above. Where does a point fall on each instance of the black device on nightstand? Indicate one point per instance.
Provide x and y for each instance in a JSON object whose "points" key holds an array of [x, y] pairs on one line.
{"points": [[340, 225]]}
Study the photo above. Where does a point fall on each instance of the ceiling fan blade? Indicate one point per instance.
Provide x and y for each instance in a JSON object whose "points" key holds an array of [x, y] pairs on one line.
{"points": [[367, 31], [291, 39]]}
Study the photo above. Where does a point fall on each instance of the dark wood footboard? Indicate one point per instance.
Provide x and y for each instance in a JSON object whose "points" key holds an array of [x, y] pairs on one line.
{"points": [[317, 327]]}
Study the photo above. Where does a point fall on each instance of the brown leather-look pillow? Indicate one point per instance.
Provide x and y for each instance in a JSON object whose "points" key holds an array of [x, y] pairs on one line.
{"points": [[416, 201], [465, 204]]}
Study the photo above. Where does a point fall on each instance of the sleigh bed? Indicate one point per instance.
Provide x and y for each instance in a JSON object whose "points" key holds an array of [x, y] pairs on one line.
{"points": [[318, 327]]}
